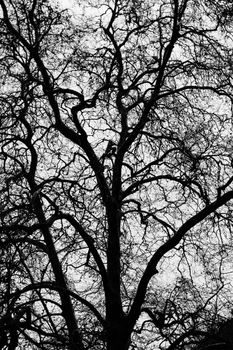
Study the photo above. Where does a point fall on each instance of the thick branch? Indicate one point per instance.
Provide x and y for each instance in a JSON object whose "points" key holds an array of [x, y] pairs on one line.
{"points": [[54, 286], [171, 243]]}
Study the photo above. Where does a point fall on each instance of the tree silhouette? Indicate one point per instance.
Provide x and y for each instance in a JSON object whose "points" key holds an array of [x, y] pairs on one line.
{"points": [[116, 173], [218, 338]]}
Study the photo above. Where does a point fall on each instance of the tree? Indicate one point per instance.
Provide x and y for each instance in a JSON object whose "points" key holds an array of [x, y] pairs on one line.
{"points": [[116, 173], [219, 338]]}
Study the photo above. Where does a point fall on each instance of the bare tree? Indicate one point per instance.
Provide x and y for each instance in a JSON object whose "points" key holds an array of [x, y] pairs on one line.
{"points": [[116, 173]]}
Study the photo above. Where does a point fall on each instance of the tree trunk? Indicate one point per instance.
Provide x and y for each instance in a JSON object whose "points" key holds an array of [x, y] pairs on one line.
{"points": [[118, 338]]}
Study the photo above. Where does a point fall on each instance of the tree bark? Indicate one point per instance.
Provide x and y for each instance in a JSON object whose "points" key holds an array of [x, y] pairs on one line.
{"points": [[118, 336]]}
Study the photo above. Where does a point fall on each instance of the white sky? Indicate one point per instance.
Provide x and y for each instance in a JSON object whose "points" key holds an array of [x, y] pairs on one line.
{"points": [[66, 3]]}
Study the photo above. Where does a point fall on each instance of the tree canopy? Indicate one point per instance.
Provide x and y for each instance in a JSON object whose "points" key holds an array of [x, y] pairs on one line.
{"points": [[116, 173]]}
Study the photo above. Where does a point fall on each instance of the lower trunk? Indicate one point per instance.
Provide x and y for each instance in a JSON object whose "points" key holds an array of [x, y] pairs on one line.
{"points": [[118, 338]]}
